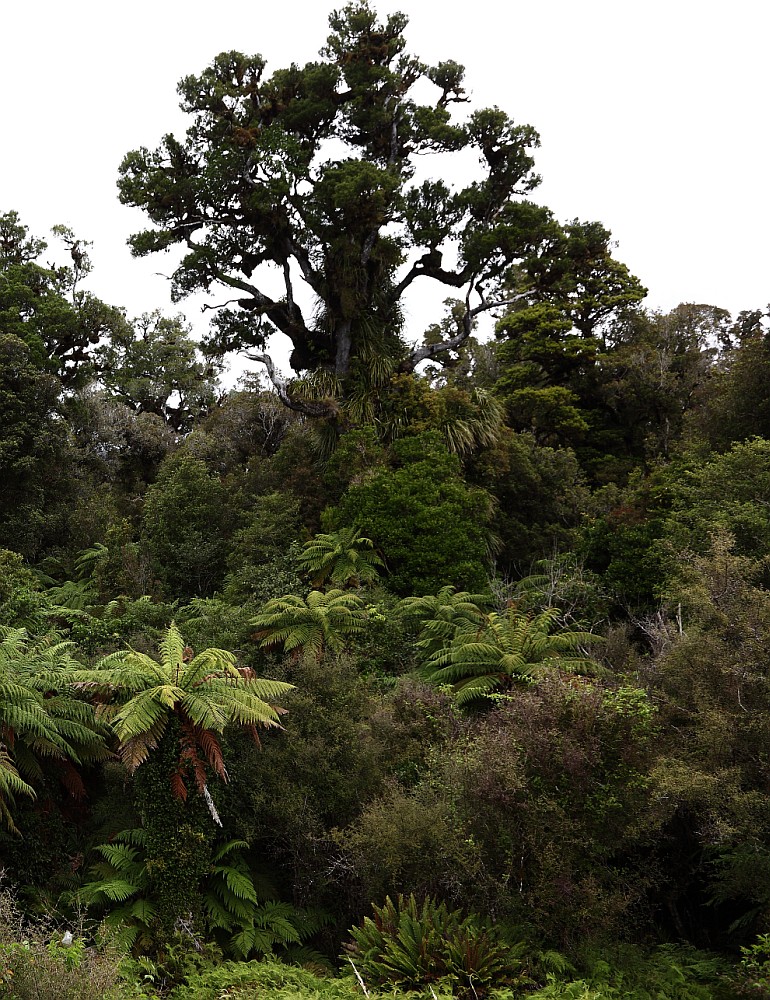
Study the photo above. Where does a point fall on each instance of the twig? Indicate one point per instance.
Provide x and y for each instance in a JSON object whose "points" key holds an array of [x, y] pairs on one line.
{"points": [[358, 977]]}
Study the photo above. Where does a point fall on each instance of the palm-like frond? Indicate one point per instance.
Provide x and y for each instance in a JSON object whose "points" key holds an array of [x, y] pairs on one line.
{"points": [[134, 751], [476, 430], [206, 693], [146, 710], [343, 557], [508, 648], [442, 615], [40, 718], [11, 784], [322, 621]]}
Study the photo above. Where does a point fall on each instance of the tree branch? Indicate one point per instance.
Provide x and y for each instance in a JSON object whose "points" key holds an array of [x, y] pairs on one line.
{"points": [[286, 316], [427, 351], [206, 307], [429, 265], [281, 385], [309, 273], [485, 305], [287, 283]]}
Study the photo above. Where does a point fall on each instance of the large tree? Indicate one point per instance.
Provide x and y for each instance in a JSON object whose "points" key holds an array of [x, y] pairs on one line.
{"points": [[153, 366], [45, 306], [314, 170]]}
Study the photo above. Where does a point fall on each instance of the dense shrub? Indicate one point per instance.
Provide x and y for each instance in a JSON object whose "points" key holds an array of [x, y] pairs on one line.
{"points": [[413, 945]]}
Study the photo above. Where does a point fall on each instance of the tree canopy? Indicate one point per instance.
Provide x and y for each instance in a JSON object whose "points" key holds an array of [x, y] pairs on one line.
{"points": [[316, 171]]}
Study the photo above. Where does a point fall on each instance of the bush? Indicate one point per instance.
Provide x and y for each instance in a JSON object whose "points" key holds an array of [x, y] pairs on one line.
{"points": [[430, 526], [753, 976], [37, 961], [266, 979], [412, 945]]}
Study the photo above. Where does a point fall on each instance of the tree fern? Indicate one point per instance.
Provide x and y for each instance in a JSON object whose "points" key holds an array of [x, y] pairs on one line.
{"points": [[343, 557], [510, 648], [44, 727], [206, 693], [441, 616], [322, 621]]}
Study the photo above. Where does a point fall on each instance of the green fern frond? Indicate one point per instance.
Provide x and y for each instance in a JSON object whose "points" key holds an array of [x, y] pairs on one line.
{"points": [[143, 911]]}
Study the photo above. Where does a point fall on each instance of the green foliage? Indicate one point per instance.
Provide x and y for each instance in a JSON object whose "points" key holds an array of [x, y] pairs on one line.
{"points": [[210, 621], [32, 449], [562, 583], [429, 525], [540, 499], [320, 621], [384, 649], [78, 591], [752, 978], [412, 945], [623, 544], [235, 910], [538, 352], [740, 409], [531, 812], [204, 693], [712, 675], [22, 605], [263, 558], [727, 492], [40, 719], [561, 472], [344, 557], [441, 617], [286, 798], [43, 306], [37, 964], [669, 972], [119, 889], [503, 649], [268, 978], [468, 420], [410, 838], [122, 621], [658, 373], [153, 366], [549, 361], [186, 523], [342, 244]]}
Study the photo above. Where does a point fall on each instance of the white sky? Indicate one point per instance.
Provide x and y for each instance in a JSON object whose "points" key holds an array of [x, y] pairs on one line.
{"points": [[653, 118]]}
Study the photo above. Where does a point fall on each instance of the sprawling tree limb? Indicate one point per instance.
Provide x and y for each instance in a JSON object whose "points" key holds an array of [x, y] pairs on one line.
{"points": [[311, 276], [310, 408], [426, 352], [286, 316], [485, 305], [429, 265]]}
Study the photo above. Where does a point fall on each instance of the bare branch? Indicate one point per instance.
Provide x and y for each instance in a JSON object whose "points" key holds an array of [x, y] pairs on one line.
{"points": [[206, 307], [247, 167], [429, 265], [245, 286], [309, 273], [427, 351], [286, 316], [485, 305], [309, 407], [393, 155]]}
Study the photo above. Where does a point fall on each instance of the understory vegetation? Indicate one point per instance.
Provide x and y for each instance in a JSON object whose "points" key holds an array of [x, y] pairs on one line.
{"points": [[440, 668]]}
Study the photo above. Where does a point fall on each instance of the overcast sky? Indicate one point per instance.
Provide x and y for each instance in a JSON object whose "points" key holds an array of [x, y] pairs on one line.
{"points": [[653, 118]]}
